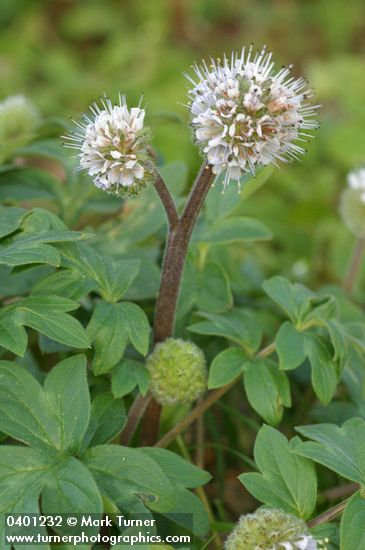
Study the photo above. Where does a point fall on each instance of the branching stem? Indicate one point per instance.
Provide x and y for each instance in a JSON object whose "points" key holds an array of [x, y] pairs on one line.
{"points": [[175, 255], [179, 234]]}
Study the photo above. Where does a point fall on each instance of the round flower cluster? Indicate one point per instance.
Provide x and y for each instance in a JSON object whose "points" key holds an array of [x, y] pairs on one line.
{"points": [[270, 529], [352, 204], [18, 120], [113, 146], [178, 372], [246, 113]]}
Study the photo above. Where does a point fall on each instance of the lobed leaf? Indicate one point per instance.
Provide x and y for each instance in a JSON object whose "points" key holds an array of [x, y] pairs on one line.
{"points": [[286, 481]]}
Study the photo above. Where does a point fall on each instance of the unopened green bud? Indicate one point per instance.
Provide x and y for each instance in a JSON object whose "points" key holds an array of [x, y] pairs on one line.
{"points": [[270, 529], [178, 372]]}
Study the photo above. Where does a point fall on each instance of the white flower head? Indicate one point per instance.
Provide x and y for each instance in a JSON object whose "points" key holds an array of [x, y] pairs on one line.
{"points": [[113, 147], [356, 180], [247, 113], [271, 529]]}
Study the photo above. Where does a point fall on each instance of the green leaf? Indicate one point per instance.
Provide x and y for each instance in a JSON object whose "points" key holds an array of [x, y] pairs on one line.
{"points": [[22, 469], [213, 292], [325, 308], [218, 206], [110, 327], [338, 340], [23, 474], [10, 219], [207, 287], [118, 277], [33, 244], [177, 469], [109, 335], [22, 184], [294, 299], [197, 520], [46, 314], [237, 325], [25, 411], [137, 325], [112, 276], [290, 347], [352, 532], [286, 481], [182, 475], [324, 370], [66, 283], [267, 389], [238, 229], [108, 418], [130, 478], [13, 337], [340, 449], [225, 367], [66, 386], [71, 489], [128, 375]]}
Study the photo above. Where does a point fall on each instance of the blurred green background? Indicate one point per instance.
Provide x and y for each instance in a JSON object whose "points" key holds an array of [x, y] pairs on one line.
{"points": [[64, 53]]}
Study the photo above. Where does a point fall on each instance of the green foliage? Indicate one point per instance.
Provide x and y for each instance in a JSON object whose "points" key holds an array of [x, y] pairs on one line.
{"points": [[267, 389], [110, 328], [238, 326], [128, 375], [286, 480], [58, 423], [61, 295], [340, 449], [226, 366], [233, 230], [290, 347], [352, 523]]}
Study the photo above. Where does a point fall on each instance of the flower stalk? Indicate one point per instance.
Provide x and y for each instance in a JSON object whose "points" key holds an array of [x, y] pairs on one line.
{"points": [[177, 247], [179, 234]]}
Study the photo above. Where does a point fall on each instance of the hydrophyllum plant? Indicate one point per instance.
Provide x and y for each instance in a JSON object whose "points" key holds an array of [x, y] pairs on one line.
{"points": [[245, 114], [77, 394]]}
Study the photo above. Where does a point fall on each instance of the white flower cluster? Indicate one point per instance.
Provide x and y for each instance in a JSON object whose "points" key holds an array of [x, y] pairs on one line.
{"points": [[246, 113], [113, 147], [356, 180], [271, 529]]}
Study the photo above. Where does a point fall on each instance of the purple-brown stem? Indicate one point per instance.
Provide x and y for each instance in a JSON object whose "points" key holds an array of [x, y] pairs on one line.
{"points": [[179, 234], [175, 255]]}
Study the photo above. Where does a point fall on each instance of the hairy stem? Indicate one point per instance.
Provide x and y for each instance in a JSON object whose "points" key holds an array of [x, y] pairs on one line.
{"points": [[173, 265], [175, 255], [166, 199], [354, 266], [204, 405]]}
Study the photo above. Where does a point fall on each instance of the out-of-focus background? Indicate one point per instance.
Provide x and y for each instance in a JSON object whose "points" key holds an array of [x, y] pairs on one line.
{"points": [[65, 53]]}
